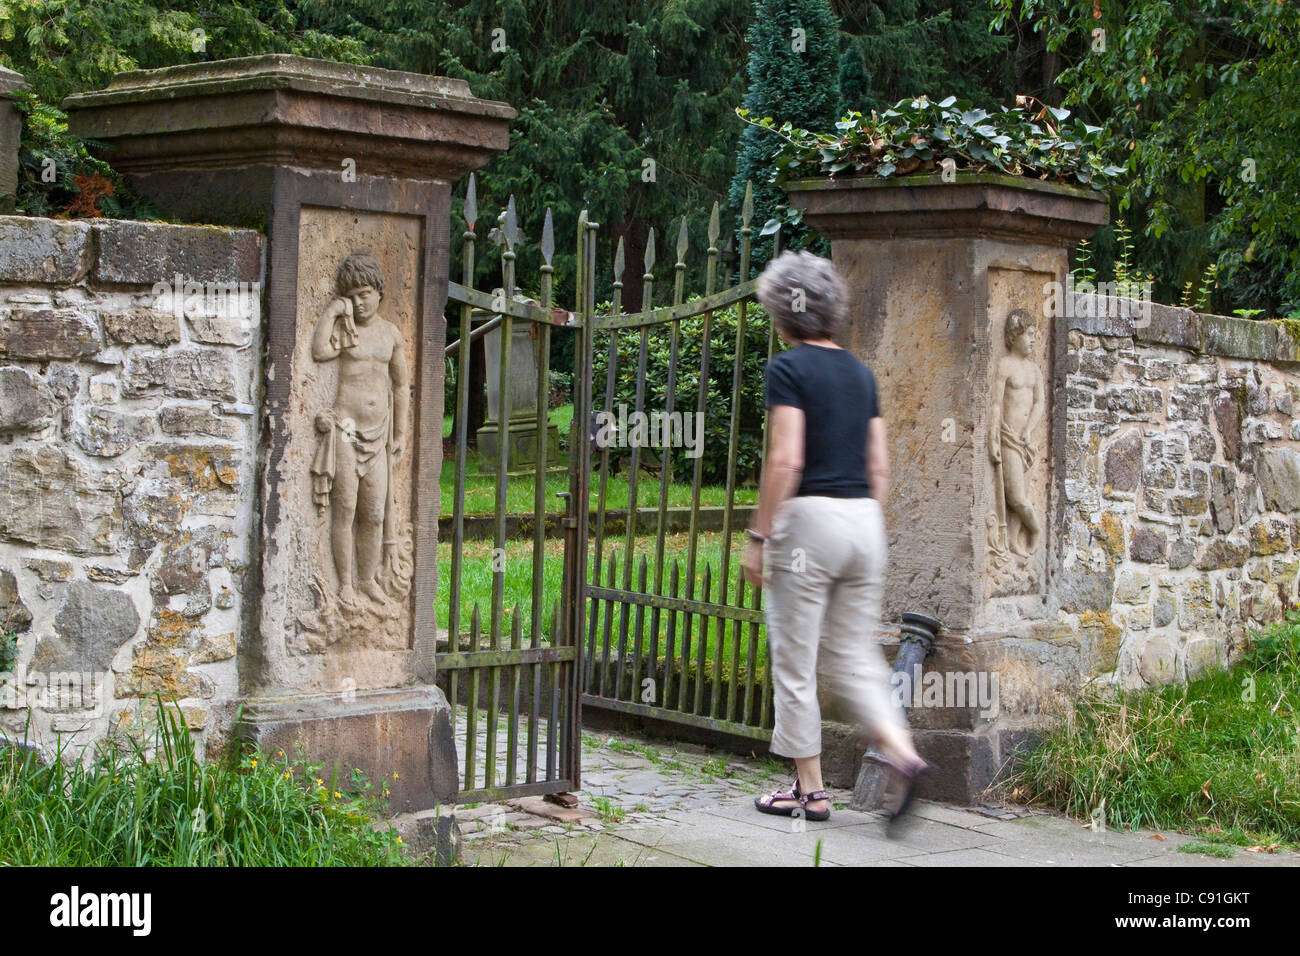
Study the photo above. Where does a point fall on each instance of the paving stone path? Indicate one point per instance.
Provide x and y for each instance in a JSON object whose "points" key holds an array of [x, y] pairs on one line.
{"points": [[649, 803]]}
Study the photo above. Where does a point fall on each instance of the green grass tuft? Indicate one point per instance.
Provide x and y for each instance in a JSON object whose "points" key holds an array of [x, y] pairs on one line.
{"points": [[1209, 849], [1219, 755], [166, 807]]}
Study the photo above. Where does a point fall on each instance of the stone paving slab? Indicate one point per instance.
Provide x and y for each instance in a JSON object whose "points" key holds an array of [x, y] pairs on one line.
{"points": [[1239, 859], [767, 849], [582, 849], [658, 805]]}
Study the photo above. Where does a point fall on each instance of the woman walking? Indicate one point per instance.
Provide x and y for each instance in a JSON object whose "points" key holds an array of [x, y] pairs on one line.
{"points": [[820, 527]]}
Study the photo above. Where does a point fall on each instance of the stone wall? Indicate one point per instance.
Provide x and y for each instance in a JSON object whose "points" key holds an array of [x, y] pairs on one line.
{"points": [[129, 379], [1181, 494]]}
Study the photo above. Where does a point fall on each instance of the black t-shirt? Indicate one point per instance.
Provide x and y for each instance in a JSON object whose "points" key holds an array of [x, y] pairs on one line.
{"points": [[838, 396]]}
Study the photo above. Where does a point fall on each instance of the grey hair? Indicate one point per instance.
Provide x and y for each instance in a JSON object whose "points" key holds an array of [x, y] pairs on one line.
{"points": [[1017, 321], [804, 295]]}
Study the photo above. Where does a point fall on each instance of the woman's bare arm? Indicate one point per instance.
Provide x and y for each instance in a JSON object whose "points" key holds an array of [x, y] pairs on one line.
{"points": [[877, 458], [783, 467]]}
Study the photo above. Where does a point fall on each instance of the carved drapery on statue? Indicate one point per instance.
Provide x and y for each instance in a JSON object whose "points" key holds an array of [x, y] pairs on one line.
{"points": [[354, 470]]}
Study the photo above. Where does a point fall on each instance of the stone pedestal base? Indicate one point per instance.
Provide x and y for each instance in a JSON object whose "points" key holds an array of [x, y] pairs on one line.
{"points": [[381, 732], [965, 762], [522, 442]]}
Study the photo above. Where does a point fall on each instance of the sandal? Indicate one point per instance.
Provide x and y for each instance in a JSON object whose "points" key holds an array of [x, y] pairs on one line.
{"points": [[764, 803], [816, 814]]}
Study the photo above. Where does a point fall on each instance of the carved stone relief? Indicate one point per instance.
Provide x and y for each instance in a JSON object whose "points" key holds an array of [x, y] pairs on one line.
{"points": [[1015, 407], [352, 424], [1017, 436], [359, 442]]}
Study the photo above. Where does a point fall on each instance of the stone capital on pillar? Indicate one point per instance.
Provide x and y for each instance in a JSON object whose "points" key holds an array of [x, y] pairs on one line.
{"points": [[349, 171], [201, 140]]}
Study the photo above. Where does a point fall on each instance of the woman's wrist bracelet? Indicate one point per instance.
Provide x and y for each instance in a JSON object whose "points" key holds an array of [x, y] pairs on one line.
{"points": [[755, 536]]}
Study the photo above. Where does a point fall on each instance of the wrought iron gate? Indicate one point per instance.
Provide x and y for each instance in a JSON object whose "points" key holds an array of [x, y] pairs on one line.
{"points": [[679, 640], [498, 673]]}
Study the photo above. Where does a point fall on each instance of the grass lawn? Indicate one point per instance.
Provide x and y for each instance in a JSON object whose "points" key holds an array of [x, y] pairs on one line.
{"points": [[477, 584], [1219, 755], [561, 418], [481, 485]]}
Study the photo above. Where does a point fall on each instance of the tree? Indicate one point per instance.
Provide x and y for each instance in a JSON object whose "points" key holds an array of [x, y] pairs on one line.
{"points": [[854, 84], [66, 46], [794, 51], [935, 48], [1198, 100], [626, 110]]}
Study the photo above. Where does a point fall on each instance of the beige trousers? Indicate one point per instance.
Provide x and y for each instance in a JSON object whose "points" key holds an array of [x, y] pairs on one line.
{"points": [[827, 569]]}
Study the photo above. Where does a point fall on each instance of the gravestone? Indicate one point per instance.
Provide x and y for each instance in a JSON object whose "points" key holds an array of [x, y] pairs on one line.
{"points": [[11, 128], [521, 380], [349, 169]]}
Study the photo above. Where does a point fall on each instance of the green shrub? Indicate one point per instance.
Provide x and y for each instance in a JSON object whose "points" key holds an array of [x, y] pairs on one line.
{"points": [[717, 414], [561, 388], [129, 808], [58, 176]]}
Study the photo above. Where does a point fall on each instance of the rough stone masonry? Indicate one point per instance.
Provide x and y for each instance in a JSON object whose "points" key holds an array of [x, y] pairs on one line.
{"points": [[1182, 487], [127, 438]]}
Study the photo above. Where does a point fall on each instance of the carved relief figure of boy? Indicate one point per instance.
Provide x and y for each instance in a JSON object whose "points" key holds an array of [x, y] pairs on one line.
{"points": [[361, 438], [1015, 408]]}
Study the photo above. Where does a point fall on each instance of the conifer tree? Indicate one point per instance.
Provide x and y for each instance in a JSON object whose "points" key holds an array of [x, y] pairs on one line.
{"points": [[854, 83], [934, 47], [794, 52]]}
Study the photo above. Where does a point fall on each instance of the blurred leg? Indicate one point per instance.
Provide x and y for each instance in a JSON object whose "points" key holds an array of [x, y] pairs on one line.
{"points": [[795, 602], [851, 667]]}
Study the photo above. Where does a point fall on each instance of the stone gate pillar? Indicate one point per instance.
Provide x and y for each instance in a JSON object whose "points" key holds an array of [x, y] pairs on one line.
{"points": [[349, 171], [952, 305]]}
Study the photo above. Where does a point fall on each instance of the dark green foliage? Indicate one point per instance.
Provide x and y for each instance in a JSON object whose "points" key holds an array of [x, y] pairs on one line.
{"points": [[601, 88], [717, 415], [68, 46], [854, 83], [54, 166], [1197, 99], [790, 86], [910, 47]]}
